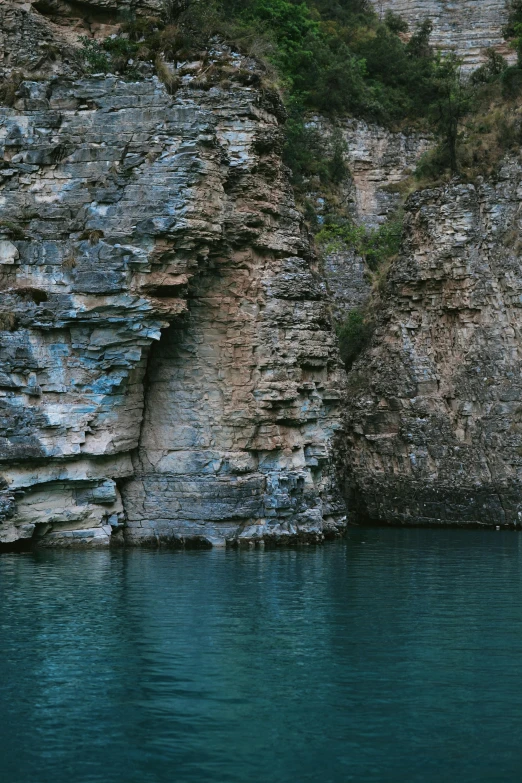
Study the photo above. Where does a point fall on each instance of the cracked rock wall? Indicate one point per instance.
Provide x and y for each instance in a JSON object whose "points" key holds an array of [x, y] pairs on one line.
{"points": [[378, 160], [464, 26], [434, 432], [130, 217]]}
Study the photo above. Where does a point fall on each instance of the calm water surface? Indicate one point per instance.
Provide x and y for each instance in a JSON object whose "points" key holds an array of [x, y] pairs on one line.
{"points": [[393, 656]]}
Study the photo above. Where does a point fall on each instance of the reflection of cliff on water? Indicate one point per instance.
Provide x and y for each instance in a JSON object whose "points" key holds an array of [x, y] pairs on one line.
{"points": [[392, 656]]}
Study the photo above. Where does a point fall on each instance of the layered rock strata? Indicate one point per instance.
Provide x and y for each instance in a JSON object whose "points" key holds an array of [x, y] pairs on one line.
{"points": [[433, 426], [131, 217], [379, 161], [466, 27]]}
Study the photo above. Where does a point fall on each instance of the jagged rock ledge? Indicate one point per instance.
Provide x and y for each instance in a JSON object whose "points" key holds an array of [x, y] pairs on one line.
{"points": [[168, 368]]}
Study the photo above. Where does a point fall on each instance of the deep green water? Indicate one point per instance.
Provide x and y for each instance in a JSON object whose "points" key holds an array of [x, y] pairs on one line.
{"points": [[393, 656]]}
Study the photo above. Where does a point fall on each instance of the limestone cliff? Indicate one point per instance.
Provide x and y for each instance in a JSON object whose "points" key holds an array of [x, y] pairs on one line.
{"points": [[168, 365], [378, 161], [434, 433], [466, 27], [168, 369]]}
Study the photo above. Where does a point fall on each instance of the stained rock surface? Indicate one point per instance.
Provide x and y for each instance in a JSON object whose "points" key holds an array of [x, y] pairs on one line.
{"points": [[434, 432], [168, 368]]}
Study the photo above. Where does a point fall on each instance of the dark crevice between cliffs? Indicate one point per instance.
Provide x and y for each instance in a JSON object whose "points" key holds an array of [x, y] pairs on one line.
{"points": [[357, 508]]}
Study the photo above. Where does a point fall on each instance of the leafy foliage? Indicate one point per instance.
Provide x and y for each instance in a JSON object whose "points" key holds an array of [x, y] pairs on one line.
{"points": [[492, 69], [113, 54], [375, 245], [354, 335], [336, 57], [395, 23], [514, 18], [478, 120], [333, 56], [452, 102]]}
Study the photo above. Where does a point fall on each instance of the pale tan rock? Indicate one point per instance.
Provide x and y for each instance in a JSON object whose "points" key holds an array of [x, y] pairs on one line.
{"points": [[433, 432], [8, 252], [467, 27], [139, 219], [378, 160]]}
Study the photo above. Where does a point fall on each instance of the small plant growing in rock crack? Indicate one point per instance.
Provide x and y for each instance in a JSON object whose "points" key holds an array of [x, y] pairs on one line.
{"points": [[8, 322], [93, 235], [69, 262], [94, 57], [375, 245], [171, 80], [112, 54], [12, 229], [354, 335]]}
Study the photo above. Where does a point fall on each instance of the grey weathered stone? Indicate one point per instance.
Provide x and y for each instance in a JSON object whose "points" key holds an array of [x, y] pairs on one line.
{"points": [[378, 161], [433, 432], [134, 217], [467, 27]]}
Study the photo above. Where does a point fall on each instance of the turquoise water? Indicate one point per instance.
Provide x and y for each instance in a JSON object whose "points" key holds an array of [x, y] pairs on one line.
{"points": [[393, 656]]}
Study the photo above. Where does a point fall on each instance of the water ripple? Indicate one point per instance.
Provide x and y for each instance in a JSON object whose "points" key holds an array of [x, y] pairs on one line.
{"points": [[393, 657]]}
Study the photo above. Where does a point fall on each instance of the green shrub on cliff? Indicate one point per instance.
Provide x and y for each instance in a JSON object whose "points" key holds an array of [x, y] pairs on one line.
{"points": [[354, 335], [112, 54], [332, 56], [514, 8], [375, 245], [338, 58], [327, 57]]}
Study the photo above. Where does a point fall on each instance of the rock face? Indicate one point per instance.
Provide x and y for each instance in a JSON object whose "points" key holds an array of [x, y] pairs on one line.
{"points": [[168, 367], [434, 432], [464, 26], [131, 217], [378, 160]]}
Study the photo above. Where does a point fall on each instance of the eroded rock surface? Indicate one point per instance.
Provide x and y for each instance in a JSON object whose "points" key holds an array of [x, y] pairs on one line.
{"points": [[467, 27], [129, 217], [378, 161], [434, 433]]}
